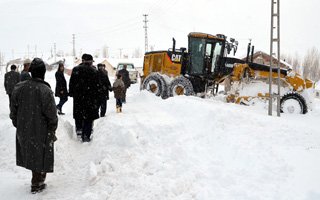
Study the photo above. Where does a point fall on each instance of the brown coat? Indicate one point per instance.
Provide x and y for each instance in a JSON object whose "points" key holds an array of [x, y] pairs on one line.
{"points": [[118, 89]]}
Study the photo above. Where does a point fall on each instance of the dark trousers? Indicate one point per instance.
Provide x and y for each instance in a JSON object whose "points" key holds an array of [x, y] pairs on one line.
{"points": [[103, 106], [119, 102], [85, 126], [62, 101], [38, 178], [124, 95]]}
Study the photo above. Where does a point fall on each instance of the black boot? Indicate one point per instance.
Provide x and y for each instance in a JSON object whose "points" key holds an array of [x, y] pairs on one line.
{"points": [[38, 188]]}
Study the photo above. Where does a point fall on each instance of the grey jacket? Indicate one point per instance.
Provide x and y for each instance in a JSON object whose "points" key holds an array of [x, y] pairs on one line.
{"points": [[33, 112], [10, 80]]}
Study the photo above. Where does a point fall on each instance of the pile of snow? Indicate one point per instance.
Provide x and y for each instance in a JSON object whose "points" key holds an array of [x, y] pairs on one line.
{"points": [[179, 148]]}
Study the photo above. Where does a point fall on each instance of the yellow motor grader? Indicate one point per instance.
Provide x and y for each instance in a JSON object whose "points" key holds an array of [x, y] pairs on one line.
{"points": [[200, 69]]}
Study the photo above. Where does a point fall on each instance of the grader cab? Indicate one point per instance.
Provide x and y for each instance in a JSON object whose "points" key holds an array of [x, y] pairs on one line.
{"points": [[181, 72], [200, 69]]}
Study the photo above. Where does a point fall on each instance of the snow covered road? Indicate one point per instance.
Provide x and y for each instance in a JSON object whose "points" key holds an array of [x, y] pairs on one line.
{"points": [[179, 148]]}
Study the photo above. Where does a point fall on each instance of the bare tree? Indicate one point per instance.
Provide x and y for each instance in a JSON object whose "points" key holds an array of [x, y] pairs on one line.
{"points": [[137, 53], [97, 53], [294, 61], [311, 65], [1, 58], [105, 52]]}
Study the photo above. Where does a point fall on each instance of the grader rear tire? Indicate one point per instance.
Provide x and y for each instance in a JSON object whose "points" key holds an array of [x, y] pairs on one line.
{"points": [[293, 103], [156, 84]]}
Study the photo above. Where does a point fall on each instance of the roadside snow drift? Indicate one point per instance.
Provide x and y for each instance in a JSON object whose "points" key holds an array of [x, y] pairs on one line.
{"points": [[179, 148]]}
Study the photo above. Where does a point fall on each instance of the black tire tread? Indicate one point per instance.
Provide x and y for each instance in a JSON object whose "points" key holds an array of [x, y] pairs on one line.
{"points": [[183, 81], [163, 88], [296, 96]]}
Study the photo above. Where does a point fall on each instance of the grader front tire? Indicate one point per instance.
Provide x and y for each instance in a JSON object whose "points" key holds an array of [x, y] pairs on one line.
{"points": [[181, 86]]}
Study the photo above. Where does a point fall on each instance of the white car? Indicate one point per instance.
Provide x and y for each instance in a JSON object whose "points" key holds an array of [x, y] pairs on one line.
{"points": [[133, 73]]}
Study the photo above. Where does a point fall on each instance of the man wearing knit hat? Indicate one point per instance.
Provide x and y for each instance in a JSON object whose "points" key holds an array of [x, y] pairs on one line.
{"points": [[33, 112]]}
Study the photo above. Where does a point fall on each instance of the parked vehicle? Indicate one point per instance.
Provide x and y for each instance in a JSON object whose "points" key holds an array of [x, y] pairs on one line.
{"points": [[133, 73]]}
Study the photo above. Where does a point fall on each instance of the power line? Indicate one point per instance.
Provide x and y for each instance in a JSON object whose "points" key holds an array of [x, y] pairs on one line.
{"points": [[117, 26], [55, 53]]}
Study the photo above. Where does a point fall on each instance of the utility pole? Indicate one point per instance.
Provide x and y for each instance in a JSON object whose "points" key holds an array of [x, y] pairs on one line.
{"points": [[275, 30], [35, 50], [28, 51], [120, 52], [74, 45], [145, 32], [54, 51]]}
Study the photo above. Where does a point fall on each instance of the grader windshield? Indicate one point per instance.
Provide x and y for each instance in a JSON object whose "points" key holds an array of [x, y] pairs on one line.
{"points": [[204, 50]]}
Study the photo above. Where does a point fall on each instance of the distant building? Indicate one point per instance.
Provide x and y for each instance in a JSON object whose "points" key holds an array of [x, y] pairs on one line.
{"points": [[261, 57]]}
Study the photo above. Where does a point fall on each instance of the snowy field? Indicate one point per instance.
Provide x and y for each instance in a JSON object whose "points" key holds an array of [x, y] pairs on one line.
{"points": [[182, 148]]}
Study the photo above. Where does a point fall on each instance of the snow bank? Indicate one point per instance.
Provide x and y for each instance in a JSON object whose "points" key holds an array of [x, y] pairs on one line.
{"points": [[179, 148]]}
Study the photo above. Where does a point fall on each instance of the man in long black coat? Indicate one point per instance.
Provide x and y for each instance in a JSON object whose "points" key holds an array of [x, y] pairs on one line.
{"points": [[106, 87], [33, 112], [126, 80], [85, 88]]}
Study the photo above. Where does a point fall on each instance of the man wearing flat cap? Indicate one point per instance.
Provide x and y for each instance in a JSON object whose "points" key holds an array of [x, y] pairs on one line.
{"points": [[25, 72], [85, 88], [33, 112]]}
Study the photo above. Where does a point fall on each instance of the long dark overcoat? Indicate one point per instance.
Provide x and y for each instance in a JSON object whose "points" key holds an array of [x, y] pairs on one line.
{"points": [[33, 112], [85, 88], [10, 80], [125, 77], [61, 85], [105, 82]]}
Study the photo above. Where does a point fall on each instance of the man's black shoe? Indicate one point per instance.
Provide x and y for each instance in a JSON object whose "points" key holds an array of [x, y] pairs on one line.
{"points": [[85, 139], [60, 113], [38, 188]]}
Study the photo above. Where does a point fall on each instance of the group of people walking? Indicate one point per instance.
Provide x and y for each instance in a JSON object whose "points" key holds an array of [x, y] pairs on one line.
{"points": [[33, 110]]}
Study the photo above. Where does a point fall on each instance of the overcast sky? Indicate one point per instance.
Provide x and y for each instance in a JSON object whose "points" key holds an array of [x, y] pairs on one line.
{"points": [[118, 24]]}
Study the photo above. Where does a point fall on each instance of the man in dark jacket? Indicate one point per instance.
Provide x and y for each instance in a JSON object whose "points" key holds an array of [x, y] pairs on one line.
{"points": [[61, 88], [25, 72], [126, 79], [84, 87], [10, 80], [106, 87], [34, 114]]}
